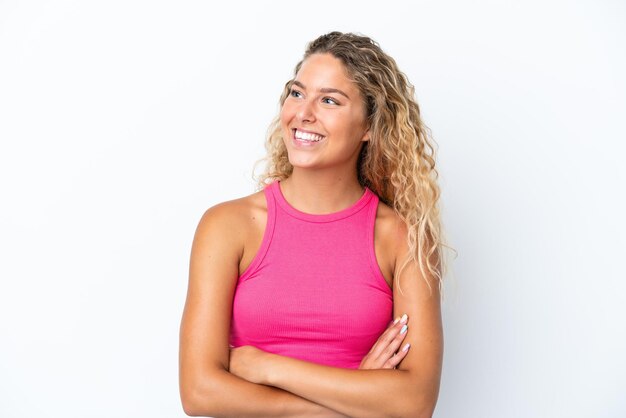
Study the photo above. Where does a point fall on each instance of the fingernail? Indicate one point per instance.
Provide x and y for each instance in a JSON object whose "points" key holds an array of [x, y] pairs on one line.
{"points": [[406, 347], [404, 328], [396, 321], [404, 318]]}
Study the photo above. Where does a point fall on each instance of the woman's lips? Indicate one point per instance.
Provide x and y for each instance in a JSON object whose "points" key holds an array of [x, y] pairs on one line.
{"points": [[301, 143], [304, 131]]}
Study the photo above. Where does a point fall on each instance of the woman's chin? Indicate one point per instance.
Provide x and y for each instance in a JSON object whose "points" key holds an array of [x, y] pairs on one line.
{"points": [[303, 163]]}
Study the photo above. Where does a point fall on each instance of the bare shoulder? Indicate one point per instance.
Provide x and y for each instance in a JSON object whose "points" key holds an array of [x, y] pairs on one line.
{"points": [[388, 231], [386, 219], [233, 217]]}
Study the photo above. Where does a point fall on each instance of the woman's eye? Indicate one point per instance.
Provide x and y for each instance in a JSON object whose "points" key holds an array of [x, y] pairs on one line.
{"points": [[296, 93]]}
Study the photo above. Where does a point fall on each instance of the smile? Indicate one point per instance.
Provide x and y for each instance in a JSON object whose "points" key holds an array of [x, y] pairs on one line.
{"points": [[306, 138]]}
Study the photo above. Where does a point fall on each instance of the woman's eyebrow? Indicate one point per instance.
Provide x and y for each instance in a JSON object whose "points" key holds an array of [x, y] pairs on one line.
{"points": [[323, 90]]}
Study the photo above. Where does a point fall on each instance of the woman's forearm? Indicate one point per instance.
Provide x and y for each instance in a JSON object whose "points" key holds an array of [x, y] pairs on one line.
{"points": [[360, 393], [232, 396]]}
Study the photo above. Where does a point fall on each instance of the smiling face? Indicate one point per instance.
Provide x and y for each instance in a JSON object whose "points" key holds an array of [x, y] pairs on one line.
{"points": [[323, 118]]}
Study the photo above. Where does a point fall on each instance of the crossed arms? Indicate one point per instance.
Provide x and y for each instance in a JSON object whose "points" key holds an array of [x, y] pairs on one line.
{"points": [[259, 384]]}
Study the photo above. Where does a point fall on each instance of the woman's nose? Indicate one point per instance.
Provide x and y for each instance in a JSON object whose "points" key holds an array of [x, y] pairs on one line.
{"points": [[305, 112]]}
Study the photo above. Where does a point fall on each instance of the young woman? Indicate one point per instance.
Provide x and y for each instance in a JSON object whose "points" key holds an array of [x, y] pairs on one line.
{"points": [[304, 277]]}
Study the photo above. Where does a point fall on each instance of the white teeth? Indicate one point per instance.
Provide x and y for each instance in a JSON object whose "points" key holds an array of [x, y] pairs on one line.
{"points": [[308, 137]]}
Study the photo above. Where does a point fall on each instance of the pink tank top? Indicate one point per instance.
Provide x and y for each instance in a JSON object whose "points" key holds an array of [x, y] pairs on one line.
{"points": [[314, 290]]}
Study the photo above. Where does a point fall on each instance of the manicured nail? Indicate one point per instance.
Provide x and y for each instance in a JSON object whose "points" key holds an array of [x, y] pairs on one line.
{"points": [[406, 347], [404, 328], [404, 318], [396, 321]]}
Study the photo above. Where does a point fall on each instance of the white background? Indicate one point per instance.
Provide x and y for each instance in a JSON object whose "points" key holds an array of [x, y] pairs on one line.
{"points": [[122, 121]]}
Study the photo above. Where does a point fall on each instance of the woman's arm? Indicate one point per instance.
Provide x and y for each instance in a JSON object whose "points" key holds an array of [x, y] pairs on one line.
{"points": [[411, 390], [206, 386], [235, 397]]}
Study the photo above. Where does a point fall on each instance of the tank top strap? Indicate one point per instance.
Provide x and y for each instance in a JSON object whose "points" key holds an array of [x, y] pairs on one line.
{"points": [[267, 235], [372, 210]]}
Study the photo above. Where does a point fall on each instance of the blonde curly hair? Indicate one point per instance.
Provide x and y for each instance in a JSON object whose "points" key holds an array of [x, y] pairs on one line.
{"points": [[398, 161]]}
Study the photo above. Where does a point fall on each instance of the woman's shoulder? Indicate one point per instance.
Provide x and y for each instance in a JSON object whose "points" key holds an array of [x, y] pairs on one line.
{"points": [[235, 216], [389, 233], [238, 208], [388, 220]]}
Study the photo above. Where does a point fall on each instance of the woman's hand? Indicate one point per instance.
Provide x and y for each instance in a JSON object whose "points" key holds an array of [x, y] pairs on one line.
{"points": [[248, 363], [382, 355]]}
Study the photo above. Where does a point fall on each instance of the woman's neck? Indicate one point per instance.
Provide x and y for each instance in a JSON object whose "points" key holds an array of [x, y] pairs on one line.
{"points": [[317, 192]]}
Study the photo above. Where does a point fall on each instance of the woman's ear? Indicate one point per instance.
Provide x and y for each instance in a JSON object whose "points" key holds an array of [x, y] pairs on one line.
{"points": [[366, 136]]}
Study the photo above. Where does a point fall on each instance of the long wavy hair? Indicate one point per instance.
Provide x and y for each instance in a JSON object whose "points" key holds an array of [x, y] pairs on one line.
{"points": [[398, 161]]}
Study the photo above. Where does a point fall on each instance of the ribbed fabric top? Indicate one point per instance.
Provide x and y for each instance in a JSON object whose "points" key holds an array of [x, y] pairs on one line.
{"points": [[314, 290]]}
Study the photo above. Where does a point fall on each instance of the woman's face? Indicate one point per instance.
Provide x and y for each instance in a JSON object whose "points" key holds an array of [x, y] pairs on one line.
{"points": [[323, 118]]}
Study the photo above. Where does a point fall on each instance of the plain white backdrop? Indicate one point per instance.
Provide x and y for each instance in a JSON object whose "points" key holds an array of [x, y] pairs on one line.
{"points": [[121, 122]]}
